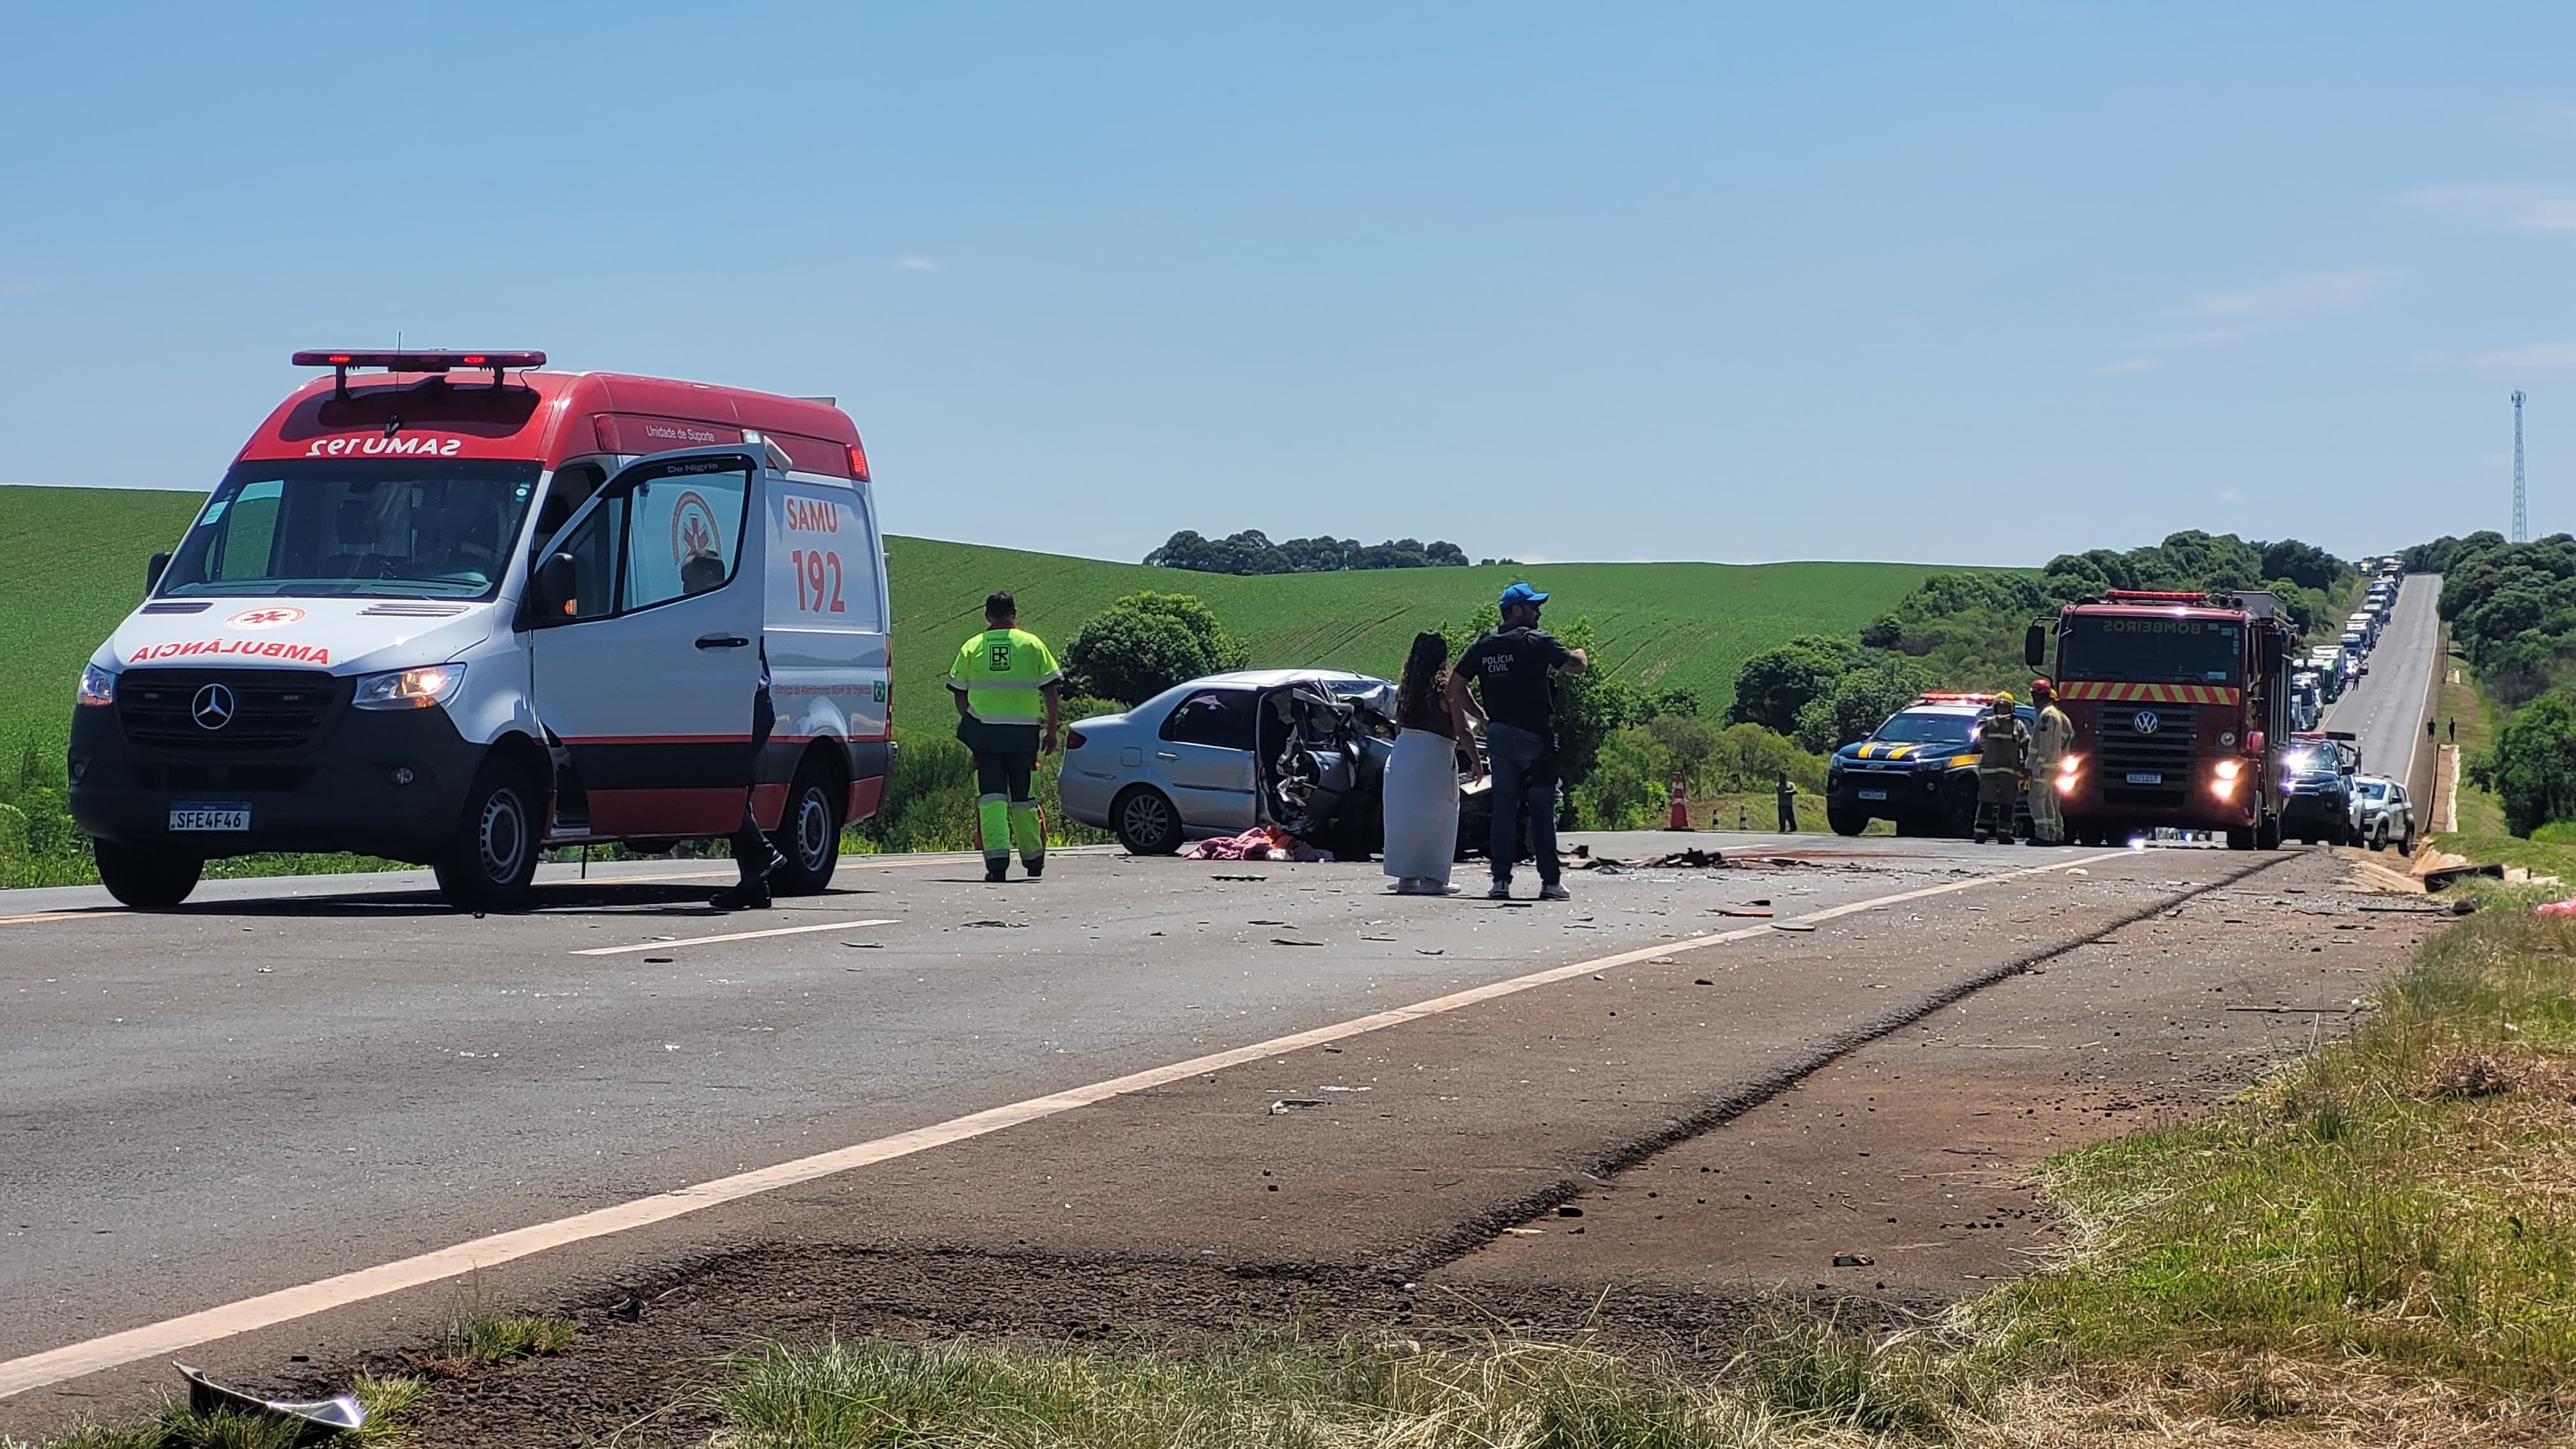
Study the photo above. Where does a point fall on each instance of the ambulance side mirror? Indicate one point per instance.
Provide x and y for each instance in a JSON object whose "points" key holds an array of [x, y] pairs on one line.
{"points": [[153, 571], [2034, 646], [551, 592]]}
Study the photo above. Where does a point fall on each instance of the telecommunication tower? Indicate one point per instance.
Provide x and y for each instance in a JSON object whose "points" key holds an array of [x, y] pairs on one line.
{"points": [[2521, 516]]}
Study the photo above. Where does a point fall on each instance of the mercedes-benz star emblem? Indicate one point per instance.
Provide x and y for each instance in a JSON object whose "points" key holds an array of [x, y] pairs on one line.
{"points": [[212, 709], [2145, 723]]}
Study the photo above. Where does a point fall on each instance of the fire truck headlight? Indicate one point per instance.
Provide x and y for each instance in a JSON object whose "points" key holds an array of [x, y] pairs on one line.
{"points": [[2229, 769], [2069, 765]]}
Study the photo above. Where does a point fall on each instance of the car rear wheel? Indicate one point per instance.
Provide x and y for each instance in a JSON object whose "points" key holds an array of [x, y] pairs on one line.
{"points": [[1147, 823], [146, 879], [809, 833], [489, 864]]}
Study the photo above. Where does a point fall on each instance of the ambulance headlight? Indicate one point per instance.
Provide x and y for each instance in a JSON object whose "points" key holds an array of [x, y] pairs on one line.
{"points": [[97, 686], [409, 688]]}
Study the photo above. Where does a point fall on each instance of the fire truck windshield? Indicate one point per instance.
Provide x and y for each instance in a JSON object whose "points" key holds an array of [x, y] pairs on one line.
{"points": [[2151, 649], [411, 527]]}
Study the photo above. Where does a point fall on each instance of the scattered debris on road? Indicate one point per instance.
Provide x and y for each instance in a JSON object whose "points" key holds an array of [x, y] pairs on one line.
{"points": [[317, 1419], [1285, 941], [1853, 1260], [1791, 926], [1286, 1105]]}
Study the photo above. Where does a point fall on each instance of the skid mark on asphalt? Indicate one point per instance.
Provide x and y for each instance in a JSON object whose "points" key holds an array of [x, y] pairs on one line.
{"points": [[154, 1340], [733, 936]]}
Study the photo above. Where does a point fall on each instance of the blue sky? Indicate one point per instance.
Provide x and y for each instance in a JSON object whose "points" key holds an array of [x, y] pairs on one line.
{"points": [[1965, 283]]}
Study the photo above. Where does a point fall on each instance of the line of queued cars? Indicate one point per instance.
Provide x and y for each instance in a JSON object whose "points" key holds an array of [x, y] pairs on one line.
{"points": [[2326, 798]]}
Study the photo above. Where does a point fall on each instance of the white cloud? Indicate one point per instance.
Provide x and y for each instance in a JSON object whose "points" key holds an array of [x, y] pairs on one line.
{"points": [[2529, 207], [2134, 364], [917, 264], [2230, 495], [2305, 294]]}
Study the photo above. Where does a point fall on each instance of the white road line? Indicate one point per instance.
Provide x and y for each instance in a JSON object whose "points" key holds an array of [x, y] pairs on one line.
{"points": [[172, 1335], [730, 936]]}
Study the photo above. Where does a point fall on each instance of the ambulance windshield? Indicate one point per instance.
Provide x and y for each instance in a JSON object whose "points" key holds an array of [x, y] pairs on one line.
{"points": [[404, 528]]}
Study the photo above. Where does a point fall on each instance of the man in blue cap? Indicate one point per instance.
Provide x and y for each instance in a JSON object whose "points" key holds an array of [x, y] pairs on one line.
{"points": [[1511, 666]]}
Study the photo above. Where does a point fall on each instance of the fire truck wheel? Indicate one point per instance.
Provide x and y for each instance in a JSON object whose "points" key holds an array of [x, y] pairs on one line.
{"points": [[2240, 837]]}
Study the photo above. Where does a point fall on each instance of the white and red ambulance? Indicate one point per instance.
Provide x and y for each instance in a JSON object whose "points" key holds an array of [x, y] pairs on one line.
{"points": [[454, 609]]}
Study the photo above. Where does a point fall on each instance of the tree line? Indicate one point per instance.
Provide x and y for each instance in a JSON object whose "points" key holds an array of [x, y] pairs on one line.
{"points": [[1252, 552], [2512, 612]]}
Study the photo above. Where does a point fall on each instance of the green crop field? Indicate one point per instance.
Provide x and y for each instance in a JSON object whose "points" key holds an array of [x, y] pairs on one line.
{"points": [[1667, 625], [71, 565]]}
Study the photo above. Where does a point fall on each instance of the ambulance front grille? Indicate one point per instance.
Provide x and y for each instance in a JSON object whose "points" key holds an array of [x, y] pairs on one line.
{"points": [[271, 709]]}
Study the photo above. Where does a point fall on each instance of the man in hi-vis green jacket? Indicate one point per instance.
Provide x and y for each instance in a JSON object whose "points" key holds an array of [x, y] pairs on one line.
{"points": [[1008, 692]]}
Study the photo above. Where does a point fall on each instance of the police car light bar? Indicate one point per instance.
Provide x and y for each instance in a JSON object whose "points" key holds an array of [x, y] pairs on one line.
{"points": [[341, 361], [1952, 696]]}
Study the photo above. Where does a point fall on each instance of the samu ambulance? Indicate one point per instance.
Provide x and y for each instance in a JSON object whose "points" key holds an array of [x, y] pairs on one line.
{"points": [[467, 609]]}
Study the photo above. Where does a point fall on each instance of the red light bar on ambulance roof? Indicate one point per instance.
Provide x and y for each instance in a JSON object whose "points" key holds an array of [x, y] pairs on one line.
{"points": [[340, 361]]}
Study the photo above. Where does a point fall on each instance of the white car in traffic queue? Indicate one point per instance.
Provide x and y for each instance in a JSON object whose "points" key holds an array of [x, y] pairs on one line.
{"points": [[2384, 814], [1194, 761]]}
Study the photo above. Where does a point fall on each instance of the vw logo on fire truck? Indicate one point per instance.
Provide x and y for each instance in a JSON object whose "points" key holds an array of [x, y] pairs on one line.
{"points": [[2145, 723], [276, 616], [212, 708]]}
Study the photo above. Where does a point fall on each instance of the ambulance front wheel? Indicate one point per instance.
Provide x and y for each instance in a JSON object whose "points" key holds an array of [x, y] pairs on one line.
{"points": [[809, 833], [147, 880], [490, 863]]}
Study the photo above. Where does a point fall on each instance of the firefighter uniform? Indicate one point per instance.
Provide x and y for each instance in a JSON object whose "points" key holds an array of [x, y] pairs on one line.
{"points": [[2051, 737], [2002, 761], [1003, 675]]}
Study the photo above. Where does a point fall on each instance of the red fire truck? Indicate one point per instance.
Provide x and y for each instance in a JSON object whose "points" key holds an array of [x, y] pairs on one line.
{"points": [[2181, 711]]}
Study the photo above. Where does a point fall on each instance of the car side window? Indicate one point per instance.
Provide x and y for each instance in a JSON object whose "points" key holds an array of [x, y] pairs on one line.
{"points": [[593, 547], [1218, 717], [683, 535]]}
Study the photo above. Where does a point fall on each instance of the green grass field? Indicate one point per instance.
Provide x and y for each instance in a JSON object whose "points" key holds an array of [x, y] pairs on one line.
{"points": [[71, 566]]}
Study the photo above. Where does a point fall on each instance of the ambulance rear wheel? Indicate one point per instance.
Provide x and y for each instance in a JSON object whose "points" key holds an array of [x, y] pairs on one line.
{"points": [[1147, 824], [809, 833], [147, 880], [490, 863]]}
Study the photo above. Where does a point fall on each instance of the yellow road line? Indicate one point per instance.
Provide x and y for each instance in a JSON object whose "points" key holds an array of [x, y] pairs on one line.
{"points": [[732, 936], [62, 915], [169, 1336]]}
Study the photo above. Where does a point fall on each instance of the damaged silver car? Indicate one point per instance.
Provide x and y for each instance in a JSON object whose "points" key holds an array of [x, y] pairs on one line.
{"points": [[1304, 750]]}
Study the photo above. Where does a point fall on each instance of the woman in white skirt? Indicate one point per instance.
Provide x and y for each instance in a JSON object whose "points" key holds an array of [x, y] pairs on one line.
{"points": [[1421, 790]]}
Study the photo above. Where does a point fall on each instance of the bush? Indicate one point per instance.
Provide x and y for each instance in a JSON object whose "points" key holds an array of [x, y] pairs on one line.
{"points": [[1776, 684], [1628, 784], [1860, 702], [1146, 643]]}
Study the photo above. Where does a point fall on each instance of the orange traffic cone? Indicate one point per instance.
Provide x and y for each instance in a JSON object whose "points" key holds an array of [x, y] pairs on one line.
{"points": [[1681, 803]]}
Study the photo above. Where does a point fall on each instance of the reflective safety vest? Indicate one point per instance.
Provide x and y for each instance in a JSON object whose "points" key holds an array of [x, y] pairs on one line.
{"points": [[1001, 672]]}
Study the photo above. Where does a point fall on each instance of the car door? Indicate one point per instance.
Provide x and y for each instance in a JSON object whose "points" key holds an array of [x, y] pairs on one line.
{"points": [[1204, 755], [645, 674]]}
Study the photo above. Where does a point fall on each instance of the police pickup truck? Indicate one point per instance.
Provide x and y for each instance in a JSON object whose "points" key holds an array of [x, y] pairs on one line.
{"points": [[1919, 769], [2318, 799]]}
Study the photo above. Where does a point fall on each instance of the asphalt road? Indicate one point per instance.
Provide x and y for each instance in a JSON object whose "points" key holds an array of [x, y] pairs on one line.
{"points": [[2385, 707], [292, 1079], [287, 1080]]}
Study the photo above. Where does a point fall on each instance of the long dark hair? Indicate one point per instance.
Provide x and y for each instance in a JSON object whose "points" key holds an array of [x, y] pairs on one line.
{"points": [[1423, 690]]}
